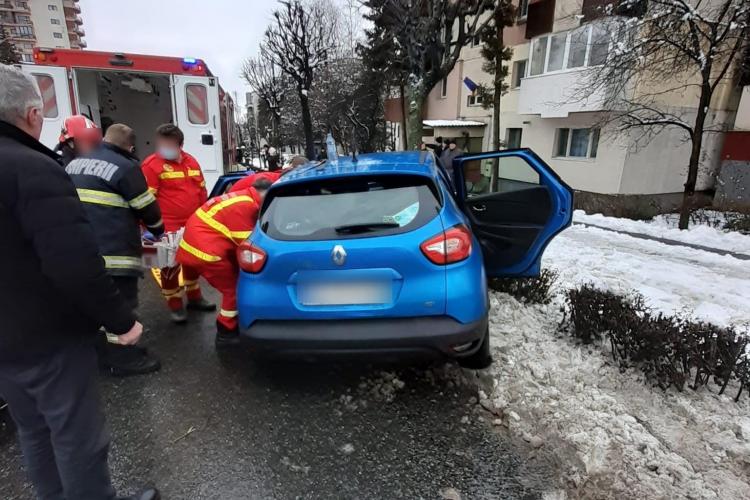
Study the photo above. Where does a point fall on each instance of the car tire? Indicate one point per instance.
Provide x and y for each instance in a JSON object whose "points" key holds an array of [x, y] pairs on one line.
{"points": [[480, 359]]}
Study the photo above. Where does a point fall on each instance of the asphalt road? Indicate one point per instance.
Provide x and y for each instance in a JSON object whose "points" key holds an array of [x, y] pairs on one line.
{"points": [[227, 426]]}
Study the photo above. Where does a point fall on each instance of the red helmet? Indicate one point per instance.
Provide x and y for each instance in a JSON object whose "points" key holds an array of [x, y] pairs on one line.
{"points": [[80, 128]]}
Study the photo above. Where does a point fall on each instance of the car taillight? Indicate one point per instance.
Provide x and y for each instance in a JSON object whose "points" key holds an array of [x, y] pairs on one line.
{"points": [[453, 245], [251, 258]]}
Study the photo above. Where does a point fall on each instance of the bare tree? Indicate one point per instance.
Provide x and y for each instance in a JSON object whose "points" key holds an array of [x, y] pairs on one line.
{"points": [[299, 43], [496, 54], [265, 79], [428, 36], [670, 51]]}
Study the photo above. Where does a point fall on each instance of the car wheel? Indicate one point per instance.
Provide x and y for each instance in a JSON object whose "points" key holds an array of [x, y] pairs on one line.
{"points": [[480, 359]]}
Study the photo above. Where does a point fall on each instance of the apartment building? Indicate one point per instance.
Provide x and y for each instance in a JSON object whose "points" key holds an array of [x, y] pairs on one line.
{"points": [[554, 42], [42, 23]]}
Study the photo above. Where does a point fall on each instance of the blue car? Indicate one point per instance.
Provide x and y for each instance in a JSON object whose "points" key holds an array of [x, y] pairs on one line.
{"points": [[389, 254]]}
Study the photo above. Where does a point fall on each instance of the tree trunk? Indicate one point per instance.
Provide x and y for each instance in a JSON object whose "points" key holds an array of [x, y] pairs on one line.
{"points": [[496, 105], [307, 125], [695, 156], [404, 111], [414, 127]]}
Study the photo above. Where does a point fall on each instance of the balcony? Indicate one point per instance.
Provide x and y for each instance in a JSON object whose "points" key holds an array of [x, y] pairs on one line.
{"points": [[556, 95], [80, 31]]}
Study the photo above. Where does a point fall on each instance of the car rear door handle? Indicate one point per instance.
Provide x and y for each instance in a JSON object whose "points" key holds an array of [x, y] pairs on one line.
{"points": [[479, 208]]}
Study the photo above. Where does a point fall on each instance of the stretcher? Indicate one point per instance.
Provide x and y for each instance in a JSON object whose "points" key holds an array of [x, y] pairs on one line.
{"points": [[158, 255]]}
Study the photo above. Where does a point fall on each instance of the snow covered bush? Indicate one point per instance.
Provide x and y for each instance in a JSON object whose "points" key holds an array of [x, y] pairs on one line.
{"points": [[669, 350], [536, 290], [737, 222]]}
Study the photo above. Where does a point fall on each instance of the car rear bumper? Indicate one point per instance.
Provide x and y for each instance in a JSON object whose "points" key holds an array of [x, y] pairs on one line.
{"points": [[426, 335]]}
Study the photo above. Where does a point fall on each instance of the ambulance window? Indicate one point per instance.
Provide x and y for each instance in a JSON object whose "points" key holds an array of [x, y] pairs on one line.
{"points": [[49, 98], [197, 104]]}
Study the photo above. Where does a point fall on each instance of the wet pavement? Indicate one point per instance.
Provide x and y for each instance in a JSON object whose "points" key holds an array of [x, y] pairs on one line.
{"points": [[227, 426]]}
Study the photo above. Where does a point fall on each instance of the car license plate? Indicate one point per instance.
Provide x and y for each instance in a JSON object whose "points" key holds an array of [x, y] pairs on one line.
{"points": [[329, 294]]}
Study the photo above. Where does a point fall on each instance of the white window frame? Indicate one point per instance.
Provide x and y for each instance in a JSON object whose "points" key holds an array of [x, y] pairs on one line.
{"points": [[478, 100], [566, 55], [52, 7], [55, 21], [513, 75], [589, 144], [57, 35]]}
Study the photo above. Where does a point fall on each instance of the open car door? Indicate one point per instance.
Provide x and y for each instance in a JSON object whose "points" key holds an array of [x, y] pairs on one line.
{"points": [[53, 87], [515, 209]]}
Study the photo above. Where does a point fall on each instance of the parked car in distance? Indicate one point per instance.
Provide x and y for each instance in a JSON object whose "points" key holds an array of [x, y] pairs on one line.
{"points": [[384, 254]]}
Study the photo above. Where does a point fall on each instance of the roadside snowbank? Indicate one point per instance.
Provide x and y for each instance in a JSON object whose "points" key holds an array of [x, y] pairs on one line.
{"points": [[673, 279], [662, 227], [616, 436]]}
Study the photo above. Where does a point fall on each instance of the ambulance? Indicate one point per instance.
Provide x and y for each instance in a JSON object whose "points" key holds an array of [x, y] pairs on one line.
{"points": [[143, 92]]}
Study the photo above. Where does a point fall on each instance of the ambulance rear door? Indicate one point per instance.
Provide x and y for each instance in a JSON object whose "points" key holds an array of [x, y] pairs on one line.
{"points": [[53, 85], [198, 115]]}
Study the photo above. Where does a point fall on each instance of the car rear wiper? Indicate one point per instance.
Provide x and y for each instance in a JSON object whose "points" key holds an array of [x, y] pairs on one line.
{"points": [[365, 227]]}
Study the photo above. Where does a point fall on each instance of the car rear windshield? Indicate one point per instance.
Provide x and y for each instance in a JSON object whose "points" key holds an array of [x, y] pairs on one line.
{"points": [[350, 207]]}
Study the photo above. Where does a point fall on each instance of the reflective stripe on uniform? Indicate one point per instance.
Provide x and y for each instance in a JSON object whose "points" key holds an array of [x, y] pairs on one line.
{"points": [[228, 314], [142, 200], [172, 175], [153, 191], [194, 173], [102, 198], [156, 224], [122, 262], [225, 203], [198, 253], [191, 285]]}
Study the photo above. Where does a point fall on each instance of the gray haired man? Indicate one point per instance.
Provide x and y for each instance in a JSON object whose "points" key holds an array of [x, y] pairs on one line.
{"points": [[54, 296]]}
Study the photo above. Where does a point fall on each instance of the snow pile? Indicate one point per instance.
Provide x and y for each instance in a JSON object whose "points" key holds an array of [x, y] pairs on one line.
{"points": [[616, 436], [697, 234], [673, 279]]}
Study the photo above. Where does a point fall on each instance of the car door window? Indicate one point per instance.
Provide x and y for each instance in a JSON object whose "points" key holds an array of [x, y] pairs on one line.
{"points": [[513, 173]]}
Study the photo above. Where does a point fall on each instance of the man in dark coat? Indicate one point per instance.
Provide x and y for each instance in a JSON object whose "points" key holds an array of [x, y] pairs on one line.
{"points": [[54, 296], [114, 193]]}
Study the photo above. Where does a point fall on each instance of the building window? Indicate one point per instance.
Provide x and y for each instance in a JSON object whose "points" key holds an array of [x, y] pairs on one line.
{"points": [[49, 98], [523, 9], [474, 100], [585, 46], [57, 35], [538, 53], [519, 72], [23, 5], [21, 19], [577, 142], [513, 138], [25, 32], [444, 87], [476, 40], [52, 7], [54, 21], [197, 103]]}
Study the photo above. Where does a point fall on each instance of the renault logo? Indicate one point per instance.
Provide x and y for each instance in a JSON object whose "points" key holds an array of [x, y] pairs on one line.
{"points": [[338, 255]]}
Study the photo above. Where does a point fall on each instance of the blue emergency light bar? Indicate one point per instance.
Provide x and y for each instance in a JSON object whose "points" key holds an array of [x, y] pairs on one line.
{"points": [[190, 60]]}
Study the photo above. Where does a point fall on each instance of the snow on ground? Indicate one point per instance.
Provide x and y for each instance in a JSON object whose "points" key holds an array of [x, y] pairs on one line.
{"points": [[673, 279], [614, 435], [664, 227]]}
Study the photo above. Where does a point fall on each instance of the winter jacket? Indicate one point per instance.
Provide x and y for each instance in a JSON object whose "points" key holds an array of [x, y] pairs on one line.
{"points": [[114, 193], [179, 187], [54, 289], [447, 157], [216, 229]]}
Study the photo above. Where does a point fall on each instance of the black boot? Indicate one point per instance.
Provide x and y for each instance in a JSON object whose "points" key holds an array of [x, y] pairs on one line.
{"points": [[179, 316], [226, 337], [201, 305], [127, 360], [149, 494]]}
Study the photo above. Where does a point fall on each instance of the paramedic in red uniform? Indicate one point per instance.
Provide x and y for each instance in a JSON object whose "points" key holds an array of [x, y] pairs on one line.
{"points": [[210, 243], [251, 178], [175, 178]]}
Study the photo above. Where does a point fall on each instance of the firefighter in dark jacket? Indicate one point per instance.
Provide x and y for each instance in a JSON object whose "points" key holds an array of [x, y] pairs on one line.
{"points": [[113, 190], [54, 295]]}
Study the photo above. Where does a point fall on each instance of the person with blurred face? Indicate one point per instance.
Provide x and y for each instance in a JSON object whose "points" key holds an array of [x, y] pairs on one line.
{"points": [[55, 294], [174, 177], [78, 137]]}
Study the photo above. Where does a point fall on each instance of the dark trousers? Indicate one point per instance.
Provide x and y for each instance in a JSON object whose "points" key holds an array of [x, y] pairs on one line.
{"points": [[108, 352], [55, 403]]}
